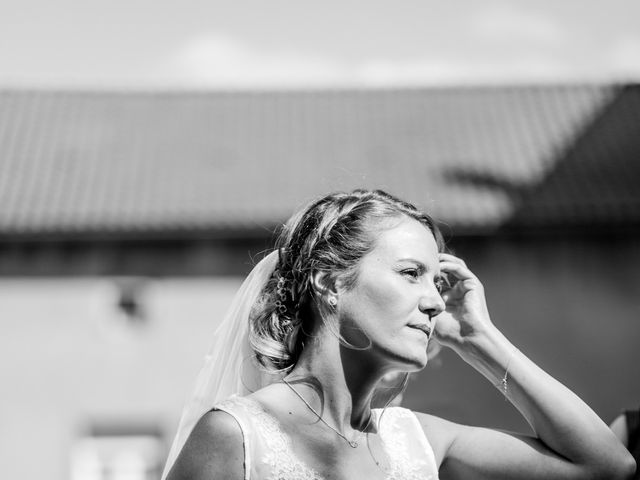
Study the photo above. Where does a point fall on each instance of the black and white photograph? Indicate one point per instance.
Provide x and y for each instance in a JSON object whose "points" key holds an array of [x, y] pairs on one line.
{"points": [[295, 240]]}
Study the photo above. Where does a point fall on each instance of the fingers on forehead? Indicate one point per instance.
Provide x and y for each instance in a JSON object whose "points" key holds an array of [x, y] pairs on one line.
{"points": [[447, 257], [458, 269]]}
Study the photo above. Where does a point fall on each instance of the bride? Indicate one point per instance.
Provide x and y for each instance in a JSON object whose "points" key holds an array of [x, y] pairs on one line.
{"points": [[357, 287]]}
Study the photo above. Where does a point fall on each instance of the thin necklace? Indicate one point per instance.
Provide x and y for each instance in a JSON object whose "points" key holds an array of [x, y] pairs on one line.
{"points": [[352, 443]]}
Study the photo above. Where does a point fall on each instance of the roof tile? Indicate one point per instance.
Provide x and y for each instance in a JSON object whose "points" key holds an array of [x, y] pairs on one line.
{"points": [[151, 161]]}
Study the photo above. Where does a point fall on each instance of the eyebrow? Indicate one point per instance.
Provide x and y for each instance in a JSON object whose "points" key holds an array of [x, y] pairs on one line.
{"points": [[413, 260]]}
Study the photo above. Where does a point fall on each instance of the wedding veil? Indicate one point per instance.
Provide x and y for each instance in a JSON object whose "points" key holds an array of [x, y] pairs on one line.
{"points": [[228, 367]]}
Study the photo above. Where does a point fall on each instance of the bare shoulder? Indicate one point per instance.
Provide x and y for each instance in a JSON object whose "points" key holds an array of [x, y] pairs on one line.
{"points": [[276, 400], [441, 433], [214, 449]]}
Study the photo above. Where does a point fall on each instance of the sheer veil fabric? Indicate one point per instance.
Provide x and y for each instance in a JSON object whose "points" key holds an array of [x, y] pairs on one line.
{"points": [[228, 367]]}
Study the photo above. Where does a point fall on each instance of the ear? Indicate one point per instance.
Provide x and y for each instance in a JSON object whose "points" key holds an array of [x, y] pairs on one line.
{"points": [[323, 284]]}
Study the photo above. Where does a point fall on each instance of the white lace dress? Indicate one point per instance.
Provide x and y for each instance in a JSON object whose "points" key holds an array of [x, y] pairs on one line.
{"points": [[268, 454]]}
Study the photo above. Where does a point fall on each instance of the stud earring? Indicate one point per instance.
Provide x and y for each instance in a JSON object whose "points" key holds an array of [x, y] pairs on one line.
{"points": [[333, 301]]}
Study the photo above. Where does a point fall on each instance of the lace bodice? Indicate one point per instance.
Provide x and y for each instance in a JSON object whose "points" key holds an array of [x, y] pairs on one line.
{"points": [[268, 454]]}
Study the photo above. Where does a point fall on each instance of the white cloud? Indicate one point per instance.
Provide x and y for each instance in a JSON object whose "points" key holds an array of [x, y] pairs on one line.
{"points": [[625, 56], [220, 61], [505, 23], [439, 71]]}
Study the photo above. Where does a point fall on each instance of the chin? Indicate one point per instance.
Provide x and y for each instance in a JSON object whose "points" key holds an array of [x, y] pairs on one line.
{"points": [[419, 364], [414, 359], [404, 355]]}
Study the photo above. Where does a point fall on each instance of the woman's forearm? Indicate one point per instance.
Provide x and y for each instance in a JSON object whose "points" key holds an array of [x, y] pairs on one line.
{"points": [[560, 419]]}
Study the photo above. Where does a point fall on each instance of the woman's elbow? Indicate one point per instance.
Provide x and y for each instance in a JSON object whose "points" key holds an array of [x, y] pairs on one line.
{"points": [[622, 468], [628, 466]]}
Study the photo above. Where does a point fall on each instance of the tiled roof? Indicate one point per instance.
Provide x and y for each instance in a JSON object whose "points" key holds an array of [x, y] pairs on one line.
{"points": [[596, 182], [196, 161]]}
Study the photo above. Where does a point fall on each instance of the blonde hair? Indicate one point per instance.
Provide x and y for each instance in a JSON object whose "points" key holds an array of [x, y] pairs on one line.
{"points": [[329, 235]]}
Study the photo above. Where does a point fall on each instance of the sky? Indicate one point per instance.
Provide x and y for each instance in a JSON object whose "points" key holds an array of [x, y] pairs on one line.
{"points": [[299, 43]]}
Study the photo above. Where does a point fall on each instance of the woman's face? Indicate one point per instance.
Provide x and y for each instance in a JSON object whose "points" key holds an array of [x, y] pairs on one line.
{"points": [[395, 297]]}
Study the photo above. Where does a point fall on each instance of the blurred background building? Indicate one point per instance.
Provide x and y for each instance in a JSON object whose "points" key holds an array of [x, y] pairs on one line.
{"points": [[128, 220], [135, 196]]}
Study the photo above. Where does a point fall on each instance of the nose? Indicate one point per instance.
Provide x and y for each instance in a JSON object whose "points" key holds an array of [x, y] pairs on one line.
{"points": [[431, 303]]}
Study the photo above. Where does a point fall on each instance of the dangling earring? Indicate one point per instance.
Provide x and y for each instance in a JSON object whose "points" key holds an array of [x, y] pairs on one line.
{"points": [[333, 301]]}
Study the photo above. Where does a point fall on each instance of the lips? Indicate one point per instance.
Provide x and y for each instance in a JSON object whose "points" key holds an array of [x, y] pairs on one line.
{"points": [[423, 327]]}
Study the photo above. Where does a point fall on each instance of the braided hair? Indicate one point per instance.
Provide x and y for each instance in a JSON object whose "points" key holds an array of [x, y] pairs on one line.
{"points": [[329, 235]]}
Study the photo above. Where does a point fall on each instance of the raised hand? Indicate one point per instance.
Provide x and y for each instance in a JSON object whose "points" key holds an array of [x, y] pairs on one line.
{"points": [[466, 315]]}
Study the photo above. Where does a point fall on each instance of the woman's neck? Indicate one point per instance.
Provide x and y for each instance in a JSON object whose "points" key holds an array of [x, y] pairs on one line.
{"points": [[340, 381]]}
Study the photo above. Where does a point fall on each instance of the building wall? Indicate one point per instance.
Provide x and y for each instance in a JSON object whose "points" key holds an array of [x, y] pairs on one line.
{"points": [[69, 359]]}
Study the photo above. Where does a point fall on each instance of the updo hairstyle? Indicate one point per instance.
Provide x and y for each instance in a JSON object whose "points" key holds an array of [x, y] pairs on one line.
{"points": [[330, 235]]}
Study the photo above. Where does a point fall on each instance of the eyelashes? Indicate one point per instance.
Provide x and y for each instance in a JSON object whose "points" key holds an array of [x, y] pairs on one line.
{"points": [[441, 282], [414, 273]]}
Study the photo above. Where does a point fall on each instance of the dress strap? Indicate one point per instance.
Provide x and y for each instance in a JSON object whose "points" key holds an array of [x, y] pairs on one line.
{"points": [[234, 407], [268, 450], [410, 453]]}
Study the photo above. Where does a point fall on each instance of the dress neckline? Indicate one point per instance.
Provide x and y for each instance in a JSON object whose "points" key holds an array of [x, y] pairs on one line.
{"points": [[282, 443], [375, 412], [400, 435]]}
